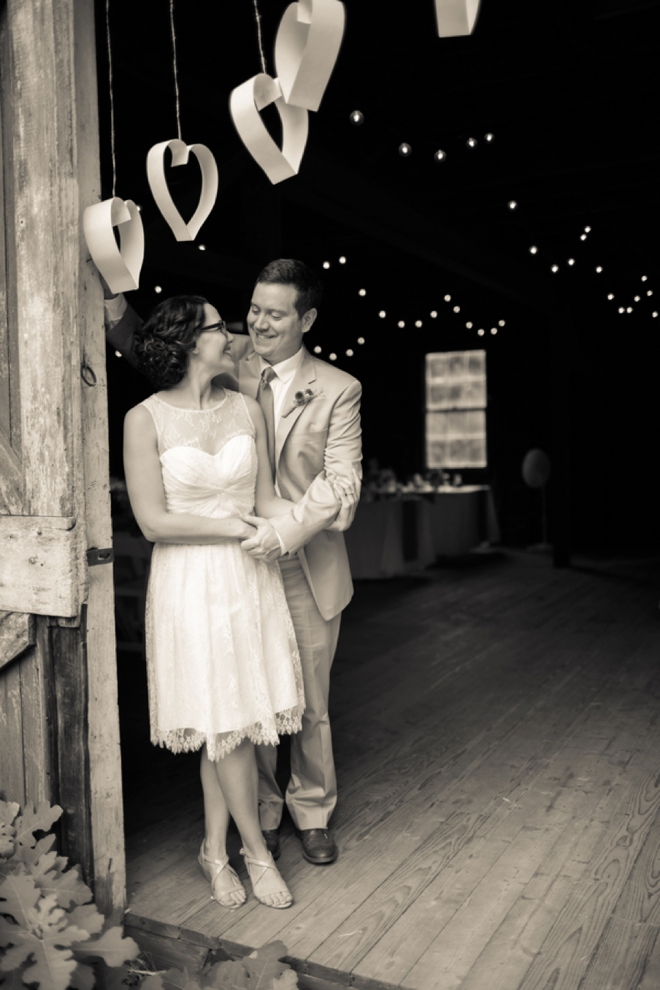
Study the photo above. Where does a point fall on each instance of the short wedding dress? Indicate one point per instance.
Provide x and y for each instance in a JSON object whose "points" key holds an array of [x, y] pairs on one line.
{"points": [[222, 660]]}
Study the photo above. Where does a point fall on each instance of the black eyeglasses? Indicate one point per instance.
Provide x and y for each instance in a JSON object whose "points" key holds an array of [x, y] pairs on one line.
{"points": [[220, 327]]}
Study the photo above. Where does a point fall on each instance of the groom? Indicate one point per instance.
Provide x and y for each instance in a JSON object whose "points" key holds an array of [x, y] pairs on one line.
{"points": [[312, 412]]}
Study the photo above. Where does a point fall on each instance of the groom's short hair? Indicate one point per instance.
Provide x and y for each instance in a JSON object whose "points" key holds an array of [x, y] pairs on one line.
{"points": [[289, 271]]}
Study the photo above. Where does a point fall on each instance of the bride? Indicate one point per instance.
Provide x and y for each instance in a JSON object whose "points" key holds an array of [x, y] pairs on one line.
{"points": [[223, 667]]}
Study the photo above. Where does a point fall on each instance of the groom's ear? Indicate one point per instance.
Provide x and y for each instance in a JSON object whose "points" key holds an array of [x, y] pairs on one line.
{"points": [[308, 319]]}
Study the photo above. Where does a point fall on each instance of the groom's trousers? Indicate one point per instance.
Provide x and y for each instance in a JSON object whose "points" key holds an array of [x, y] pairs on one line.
{"points": [[311, 794]]}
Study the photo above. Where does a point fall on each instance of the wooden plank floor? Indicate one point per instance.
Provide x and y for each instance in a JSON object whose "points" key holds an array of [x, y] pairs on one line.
{"points": [[497, 736]]}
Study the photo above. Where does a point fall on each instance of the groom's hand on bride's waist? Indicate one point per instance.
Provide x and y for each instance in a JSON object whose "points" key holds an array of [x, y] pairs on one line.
{"points": [[265, 543]]}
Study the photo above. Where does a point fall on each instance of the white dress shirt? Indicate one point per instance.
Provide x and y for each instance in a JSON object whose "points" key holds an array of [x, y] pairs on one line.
{"points": [[284, 372]]}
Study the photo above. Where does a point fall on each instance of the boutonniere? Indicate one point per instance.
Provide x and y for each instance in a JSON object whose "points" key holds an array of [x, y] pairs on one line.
{"points": [[301, 399]]}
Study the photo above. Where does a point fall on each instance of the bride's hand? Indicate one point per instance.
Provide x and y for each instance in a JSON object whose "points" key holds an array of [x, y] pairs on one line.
{"points": [[263, 542]]}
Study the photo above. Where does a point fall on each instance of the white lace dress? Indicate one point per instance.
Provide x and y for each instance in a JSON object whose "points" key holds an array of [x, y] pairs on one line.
{"points": [[222, 661]]}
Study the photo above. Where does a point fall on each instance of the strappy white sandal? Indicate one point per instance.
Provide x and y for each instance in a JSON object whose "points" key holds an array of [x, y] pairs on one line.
{"points": [[257, 869], [233, 896]]}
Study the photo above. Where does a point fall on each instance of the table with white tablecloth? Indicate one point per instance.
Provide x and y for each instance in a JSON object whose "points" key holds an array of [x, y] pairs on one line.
{"points": [[397, 536]]}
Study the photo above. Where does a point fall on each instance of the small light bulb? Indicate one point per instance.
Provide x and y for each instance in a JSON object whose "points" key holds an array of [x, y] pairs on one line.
{"points": [[571, 261], [654, 314], [360, 340], [621, 309], [489, 137], [362, 292], [583, 237], [472, 142], [636, 298], [356, 118], [201, 247], [650, 292], [382, 314], [533, 249], [418, 323], [158, 288], [317, 349], [599, 268], [587, 230], [512, 204], [434, 314], [555, 268], [469, 325], [610, 295], [644, 278], [405, 150], [401, 324], [493, 329], [481, 332], [440, 155], [349, 353], [629, 309], [333, 357], [342, 260], [326, 264], [447, 298], [457, 309], [117, 353], [501, 322]]}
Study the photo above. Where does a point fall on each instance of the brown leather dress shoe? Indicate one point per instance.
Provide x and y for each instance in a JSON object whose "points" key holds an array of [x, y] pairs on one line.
{"points": [[318, 846], [272, 840]]}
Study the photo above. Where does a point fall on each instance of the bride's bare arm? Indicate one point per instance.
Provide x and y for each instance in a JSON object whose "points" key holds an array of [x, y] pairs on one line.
{"points": [[145, 489]]}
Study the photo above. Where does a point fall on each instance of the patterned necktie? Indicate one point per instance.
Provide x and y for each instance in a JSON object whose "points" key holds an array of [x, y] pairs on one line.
{"points": [[265, 400]]}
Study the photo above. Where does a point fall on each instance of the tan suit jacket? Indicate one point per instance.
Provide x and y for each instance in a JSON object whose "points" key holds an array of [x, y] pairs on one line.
{"points": [[322, 435]]}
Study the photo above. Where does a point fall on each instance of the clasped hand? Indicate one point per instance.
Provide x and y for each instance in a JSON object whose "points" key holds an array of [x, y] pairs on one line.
{"points": [[264, 544]]}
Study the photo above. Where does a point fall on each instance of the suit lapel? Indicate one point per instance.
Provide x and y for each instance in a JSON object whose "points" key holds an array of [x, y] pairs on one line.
{"points": [[304, 378]]}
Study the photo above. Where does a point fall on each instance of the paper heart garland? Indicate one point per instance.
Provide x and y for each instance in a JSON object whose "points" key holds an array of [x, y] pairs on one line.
{"points": [[159, 189], [119, 266], [245, 103], [306, 49], [456, 17]]}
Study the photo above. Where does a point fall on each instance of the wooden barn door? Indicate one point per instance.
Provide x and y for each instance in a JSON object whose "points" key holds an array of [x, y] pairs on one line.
{"points": [[58, 696]]}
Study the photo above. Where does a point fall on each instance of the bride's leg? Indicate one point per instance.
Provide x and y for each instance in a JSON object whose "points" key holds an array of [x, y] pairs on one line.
{"points": [[216, 812], [238, 779], [225, 885]]}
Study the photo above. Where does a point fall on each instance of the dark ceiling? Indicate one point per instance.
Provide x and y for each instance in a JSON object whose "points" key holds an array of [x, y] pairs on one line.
{"points": [[570, 91]]}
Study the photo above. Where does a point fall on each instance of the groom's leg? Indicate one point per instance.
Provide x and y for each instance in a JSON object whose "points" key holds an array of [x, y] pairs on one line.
{"points": [[312, 792], [271, 800]]}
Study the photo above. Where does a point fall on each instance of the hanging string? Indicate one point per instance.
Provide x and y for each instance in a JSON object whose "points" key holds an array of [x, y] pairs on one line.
{"points": [[257, 16], [176, 74], [112, 98]]}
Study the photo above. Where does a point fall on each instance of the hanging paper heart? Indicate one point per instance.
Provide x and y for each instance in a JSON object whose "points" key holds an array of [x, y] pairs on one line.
{"points": [[156, 175], [456, 17], [245, 103], [306, 49], [119, 266]]}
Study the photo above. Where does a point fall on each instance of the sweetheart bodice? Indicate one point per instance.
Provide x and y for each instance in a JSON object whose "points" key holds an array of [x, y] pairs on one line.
{"points": [[208, 457]]}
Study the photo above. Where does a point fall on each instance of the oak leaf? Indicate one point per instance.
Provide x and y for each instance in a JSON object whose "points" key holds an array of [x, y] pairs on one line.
{"points": [[112, 947], [8, 811], [32, 821], [46, 939], [258, 971], [18, 895]]}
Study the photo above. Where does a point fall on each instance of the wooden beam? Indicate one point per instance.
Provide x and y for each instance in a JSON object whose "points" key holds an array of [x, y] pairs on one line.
{"points": [[17, 634]]}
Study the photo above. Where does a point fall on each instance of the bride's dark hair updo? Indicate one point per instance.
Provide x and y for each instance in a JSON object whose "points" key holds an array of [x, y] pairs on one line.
{"points": [[163, 343]]}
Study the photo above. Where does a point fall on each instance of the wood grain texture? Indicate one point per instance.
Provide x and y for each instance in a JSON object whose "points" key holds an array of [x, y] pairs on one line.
{"points": [[496, 743], [17, 633], [106, 807], [40, 565]]}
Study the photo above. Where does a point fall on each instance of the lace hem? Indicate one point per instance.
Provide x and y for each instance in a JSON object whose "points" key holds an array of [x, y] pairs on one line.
{"points": [[219, 745]]}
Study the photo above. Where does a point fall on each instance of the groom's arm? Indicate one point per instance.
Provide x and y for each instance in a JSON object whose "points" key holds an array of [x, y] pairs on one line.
{"points": [[320, 507], [121, 324]]}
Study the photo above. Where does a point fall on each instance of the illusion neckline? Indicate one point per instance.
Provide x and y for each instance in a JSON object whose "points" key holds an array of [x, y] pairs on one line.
{"points": [[183, 409]]}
